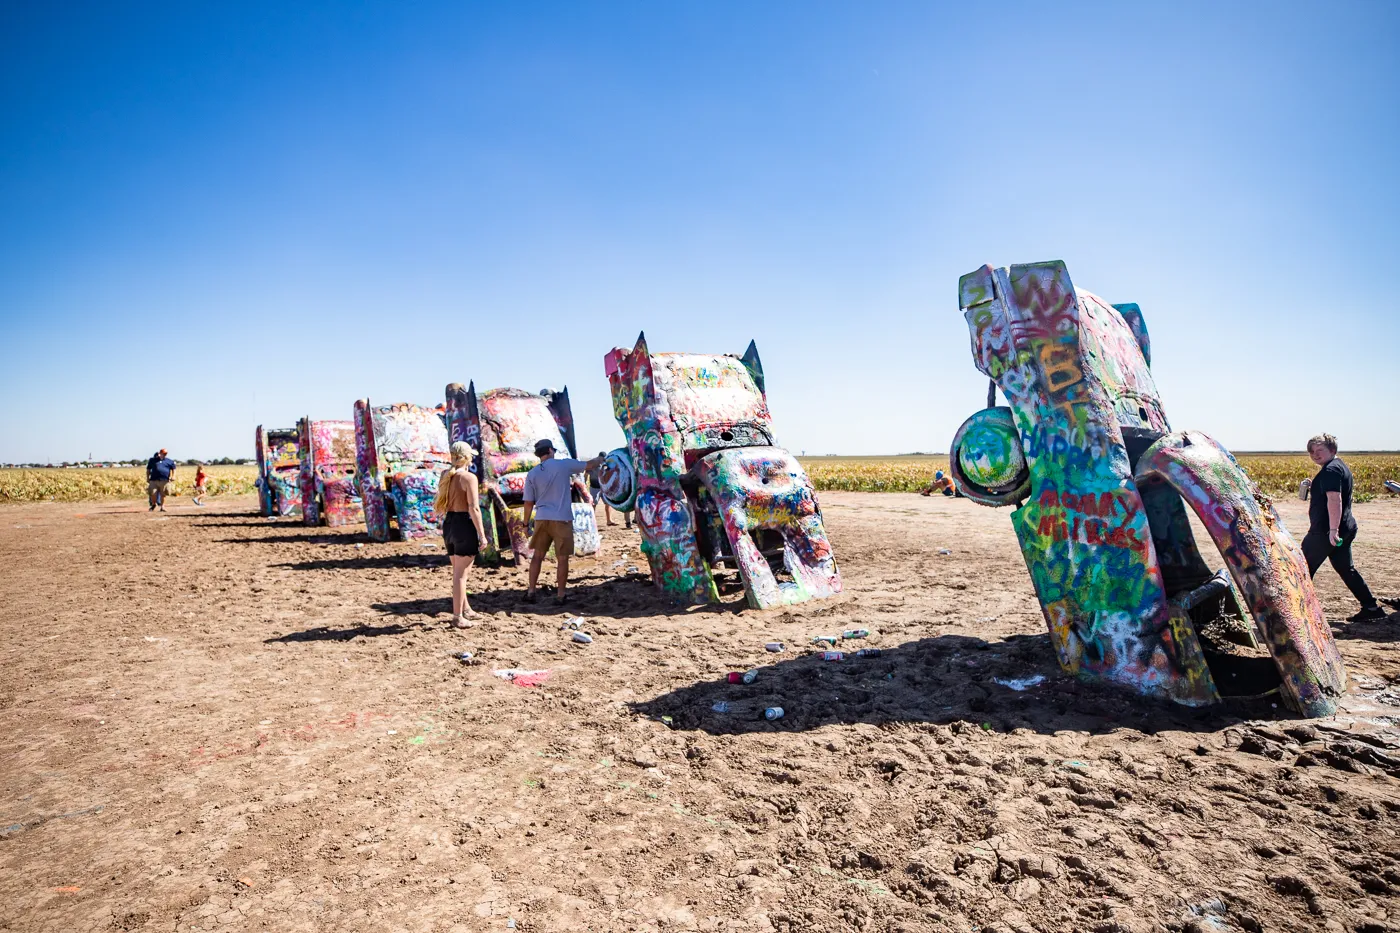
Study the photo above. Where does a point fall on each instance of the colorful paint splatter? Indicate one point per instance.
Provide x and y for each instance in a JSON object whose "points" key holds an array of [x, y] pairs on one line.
{"points": [[1085, 452], [330, 494], [400, 451], [279, 468], [503, 426], [709, 485]]}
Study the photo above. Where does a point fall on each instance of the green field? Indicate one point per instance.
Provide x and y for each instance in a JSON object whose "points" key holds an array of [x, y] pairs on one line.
{"points": [[77, 485], [1276, 473]]}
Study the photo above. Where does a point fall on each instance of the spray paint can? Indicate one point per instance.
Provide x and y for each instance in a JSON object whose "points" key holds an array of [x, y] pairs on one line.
{"points": [[856, 633], [774, 646], [833, 656], [773, 712], [868, 653]]}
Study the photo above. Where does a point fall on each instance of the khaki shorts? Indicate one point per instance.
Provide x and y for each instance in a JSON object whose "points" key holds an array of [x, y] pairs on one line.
{"points": [[560, 534]]}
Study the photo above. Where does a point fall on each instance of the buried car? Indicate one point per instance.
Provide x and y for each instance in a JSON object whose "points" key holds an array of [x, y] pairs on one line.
{"points": [[711, 488], [279, 470], [400, 451], [503, 426], [1101, 483], [330, 494]]}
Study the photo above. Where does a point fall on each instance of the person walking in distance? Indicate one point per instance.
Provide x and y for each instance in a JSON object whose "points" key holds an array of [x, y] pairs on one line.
{"points": [[160, 470], [547, 489], [201, 479], [459, 504], [1331, 526], [595, 490]]}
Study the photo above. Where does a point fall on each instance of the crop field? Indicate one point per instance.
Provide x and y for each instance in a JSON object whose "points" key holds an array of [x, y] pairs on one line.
{"points": [[1276, 473], [74, 485]]}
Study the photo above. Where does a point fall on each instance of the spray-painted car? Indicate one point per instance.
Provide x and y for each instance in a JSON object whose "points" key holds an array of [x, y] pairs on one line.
{"points": [[330, 494], [1084, 450], [400, 451], [279, 470], [503, 425], [708, 482]]}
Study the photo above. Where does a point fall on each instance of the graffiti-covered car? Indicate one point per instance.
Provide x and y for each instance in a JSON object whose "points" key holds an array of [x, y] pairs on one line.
{"points": [[1101, 483], [711, 488], [400, 451], [279, 470], [503, 426], [330, 494]]}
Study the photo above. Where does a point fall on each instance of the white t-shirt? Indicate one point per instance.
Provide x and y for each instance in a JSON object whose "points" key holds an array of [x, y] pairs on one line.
{"points": [[548, 485]]}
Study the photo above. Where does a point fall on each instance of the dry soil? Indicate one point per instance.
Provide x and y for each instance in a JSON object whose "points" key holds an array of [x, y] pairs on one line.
{"points": [[213, 721]]}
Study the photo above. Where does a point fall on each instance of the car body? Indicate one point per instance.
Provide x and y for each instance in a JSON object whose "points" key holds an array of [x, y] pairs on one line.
{"points": [[503, 426], [400, 451], [710, 487], [330, 493], [278, 452], [1101, 484]]}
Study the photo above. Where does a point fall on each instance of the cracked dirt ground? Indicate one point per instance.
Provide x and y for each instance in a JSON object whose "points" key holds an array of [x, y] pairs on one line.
{"points": [[217, 722]]}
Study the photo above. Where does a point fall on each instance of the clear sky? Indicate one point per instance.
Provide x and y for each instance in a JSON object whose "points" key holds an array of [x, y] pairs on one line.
{"points": [[215, 215]]}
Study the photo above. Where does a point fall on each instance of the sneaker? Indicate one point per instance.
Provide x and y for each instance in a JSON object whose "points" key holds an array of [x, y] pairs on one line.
{"points": [[152, 509], [1373, 614], [532, 597]]}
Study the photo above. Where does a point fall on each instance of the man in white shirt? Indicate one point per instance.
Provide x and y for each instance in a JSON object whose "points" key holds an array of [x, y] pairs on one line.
{"points": [[547, 497]]}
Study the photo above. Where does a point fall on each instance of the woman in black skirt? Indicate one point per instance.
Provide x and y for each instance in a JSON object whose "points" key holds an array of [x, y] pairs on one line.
{"points": [[459, 503]]}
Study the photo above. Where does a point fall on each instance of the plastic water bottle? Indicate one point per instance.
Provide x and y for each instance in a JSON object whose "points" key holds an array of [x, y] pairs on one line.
{"points": [[721, 707], [868, 653], [773, 712], [856, 633]]}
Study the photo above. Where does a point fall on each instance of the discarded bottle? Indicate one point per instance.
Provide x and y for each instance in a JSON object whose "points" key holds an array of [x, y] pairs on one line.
{"points": [[773, 712], [721, 707], [825, 640], [774, 646], [856, 633], [583, 638], [868, 653], [833, 656]]}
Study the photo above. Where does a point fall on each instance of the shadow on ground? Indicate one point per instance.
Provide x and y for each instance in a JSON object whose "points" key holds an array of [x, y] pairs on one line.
{"points": [[629, 597], [946, 679], [323, 633], [323, 537]]}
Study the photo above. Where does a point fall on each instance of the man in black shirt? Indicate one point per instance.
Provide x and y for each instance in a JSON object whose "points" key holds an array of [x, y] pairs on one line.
{"points": [[1331, 526]]}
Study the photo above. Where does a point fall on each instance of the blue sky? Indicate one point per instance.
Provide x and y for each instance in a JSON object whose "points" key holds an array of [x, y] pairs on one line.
{"points": [[213, 216]]}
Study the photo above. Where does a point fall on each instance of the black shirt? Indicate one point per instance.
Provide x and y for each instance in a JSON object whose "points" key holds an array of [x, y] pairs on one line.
{"points": [[1334, 477]]}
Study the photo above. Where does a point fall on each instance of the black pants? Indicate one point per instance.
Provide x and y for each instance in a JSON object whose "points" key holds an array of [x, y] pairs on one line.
{"points": [[1316, 548]]}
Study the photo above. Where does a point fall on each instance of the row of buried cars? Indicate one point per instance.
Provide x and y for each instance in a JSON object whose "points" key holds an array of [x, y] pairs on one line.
{"points": [[1082, 449]]}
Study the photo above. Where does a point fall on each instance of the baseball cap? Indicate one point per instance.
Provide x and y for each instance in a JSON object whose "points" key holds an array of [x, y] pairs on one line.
{"points": [[542, 445]]}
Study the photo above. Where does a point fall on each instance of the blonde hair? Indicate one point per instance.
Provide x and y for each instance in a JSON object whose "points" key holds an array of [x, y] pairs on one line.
{"points": [[462, 456], [1324, 440]]}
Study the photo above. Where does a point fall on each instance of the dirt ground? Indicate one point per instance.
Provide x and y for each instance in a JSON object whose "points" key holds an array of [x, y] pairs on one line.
{"points": [[213, 721]]}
